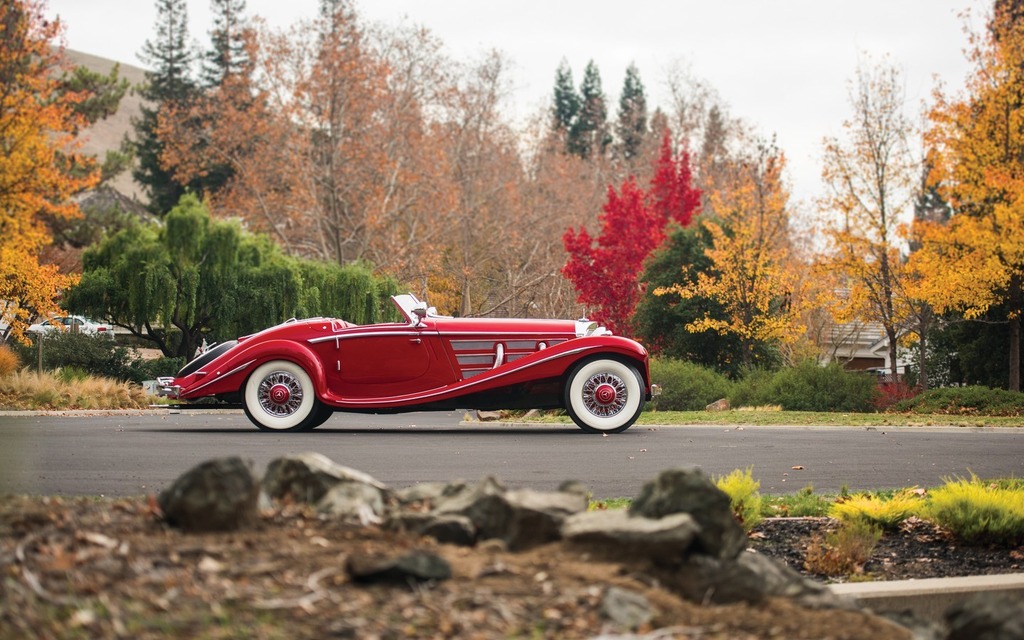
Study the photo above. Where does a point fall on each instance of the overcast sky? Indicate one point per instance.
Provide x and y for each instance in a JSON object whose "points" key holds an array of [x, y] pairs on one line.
{"points": [[781, 66]]}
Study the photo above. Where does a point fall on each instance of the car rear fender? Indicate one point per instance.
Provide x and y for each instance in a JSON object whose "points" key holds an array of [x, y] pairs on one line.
{"points": [[228, 374]]}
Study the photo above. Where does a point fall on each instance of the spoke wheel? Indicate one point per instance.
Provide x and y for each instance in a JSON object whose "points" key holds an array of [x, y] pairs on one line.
{"points": [[279, 396], [604, 396]]}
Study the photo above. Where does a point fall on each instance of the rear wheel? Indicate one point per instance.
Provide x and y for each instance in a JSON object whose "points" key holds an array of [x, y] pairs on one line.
{"points": [[604, 396], [279, 396]]}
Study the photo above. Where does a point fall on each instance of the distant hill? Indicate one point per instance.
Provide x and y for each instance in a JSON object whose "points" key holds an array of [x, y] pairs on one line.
{"points": [[108, 133]]}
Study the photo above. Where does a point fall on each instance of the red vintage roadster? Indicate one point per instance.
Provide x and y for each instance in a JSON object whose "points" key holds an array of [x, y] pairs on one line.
{"points": [[294, 376]]}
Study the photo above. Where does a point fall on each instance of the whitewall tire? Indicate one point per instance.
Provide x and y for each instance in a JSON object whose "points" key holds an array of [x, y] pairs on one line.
{"points": [[604, 396], [279, 396]]}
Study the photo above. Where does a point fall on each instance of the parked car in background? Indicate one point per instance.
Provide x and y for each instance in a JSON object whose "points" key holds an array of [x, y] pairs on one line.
{"points": [[74, 324], [295, 376]]}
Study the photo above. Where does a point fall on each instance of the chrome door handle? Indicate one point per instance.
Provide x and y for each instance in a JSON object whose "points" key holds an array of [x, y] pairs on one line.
{"points": [[415, 340]]}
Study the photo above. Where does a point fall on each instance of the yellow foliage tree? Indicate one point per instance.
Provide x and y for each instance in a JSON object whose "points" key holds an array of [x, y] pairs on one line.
{"points": [[39, 168], [974, 264], [871, 179], [752, 274]]}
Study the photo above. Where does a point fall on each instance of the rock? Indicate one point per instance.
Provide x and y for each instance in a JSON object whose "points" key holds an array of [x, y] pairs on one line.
{"points": [[750, 578], [618, 536], [719, 405], [449, 528], [576, 487], [353, 500], [217, 495], [522, 518], [429, 493], [415, 566], [987, 617], [626, 608], [488, 416], [690, 491], [307, 477]]}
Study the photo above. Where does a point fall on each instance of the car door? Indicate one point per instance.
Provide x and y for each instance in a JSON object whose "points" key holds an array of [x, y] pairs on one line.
{"points": [[381, 361]]}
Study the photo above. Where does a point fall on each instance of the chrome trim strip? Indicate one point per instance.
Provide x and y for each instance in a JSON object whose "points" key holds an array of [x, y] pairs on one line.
{"points": [[367, 334], [221, 377]]}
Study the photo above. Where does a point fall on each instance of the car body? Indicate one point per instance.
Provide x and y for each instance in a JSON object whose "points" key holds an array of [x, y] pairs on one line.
{"points": [[294, 376], [73, 324]]}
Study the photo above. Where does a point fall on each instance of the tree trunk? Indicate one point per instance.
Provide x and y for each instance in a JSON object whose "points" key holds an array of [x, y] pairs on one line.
{"points": [[1015, 353], [890, 333]]}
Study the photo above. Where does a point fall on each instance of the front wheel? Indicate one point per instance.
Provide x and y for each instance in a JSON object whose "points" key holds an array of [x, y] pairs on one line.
{"points": [[279, 396], [604, 396]]}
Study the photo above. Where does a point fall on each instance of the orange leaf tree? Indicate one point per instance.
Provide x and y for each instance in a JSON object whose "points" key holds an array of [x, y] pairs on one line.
{"points": [[974, 264], [39, 167], [750, 273], [871, 178]]}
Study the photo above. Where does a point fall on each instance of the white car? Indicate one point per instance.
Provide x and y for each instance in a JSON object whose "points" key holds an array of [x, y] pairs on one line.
{"points": [[74, 324]]}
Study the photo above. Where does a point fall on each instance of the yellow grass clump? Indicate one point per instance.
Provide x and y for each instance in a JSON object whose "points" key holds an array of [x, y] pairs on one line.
{"points": [[26, 390], [8, 361]]}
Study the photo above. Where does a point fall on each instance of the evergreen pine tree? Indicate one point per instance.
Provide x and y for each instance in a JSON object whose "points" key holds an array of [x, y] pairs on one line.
{"points": [[169, 81], [567, 102], [632, 123], [227, 55], [589, 133]]}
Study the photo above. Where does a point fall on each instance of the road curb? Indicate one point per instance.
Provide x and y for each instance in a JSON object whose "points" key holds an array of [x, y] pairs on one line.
{"points": [[929, 598]]}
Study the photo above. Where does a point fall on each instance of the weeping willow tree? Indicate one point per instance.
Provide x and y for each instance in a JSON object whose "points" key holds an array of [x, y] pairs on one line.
{"points": [[194, 278]]}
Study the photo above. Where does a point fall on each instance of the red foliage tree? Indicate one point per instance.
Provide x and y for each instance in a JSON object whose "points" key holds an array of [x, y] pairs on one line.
{"points": [[607, 275]]}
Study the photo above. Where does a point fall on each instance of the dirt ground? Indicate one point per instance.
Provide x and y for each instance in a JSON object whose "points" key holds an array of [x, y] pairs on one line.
{"points": [[97, 568]]}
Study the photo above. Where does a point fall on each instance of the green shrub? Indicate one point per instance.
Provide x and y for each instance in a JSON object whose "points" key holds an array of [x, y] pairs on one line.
{"points": [[965, 401], [97, 356], [744, 497], [686, 386], [978, 512], [753, 389], [878, 511], [71, 374], [811, 387]]}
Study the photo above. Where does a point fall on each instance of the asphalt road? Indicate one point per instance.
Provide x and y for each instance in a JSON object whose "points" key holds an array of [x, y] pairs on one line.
{"points": [[118, 455]]}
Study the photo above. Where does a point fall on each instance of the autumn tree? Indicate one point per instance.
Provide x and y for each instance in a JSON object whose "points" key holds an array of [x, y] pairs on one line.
{"points": [[751, 275], [40, 168], [974, 264], [606, 270], [871, 185]]}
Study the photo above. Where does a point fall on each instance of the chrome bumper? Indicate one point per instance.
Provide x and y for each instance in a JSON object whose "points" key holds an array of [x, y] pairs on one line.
{"points": [[166, 388]]}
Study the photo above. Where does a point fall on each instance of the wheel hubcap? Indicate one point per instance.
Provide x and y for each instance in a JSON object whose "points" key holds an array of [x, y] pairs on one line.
{"points": [[280, 394], [604, 394]]}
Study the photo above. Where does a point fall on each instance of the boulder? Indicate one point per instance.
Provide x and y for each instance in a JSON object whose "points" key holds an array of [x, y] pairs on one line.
{"points": [[307, 477], [620, 537], [447, 528], [719, 405], [217, 495], [353, 500], [690, 491]]}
